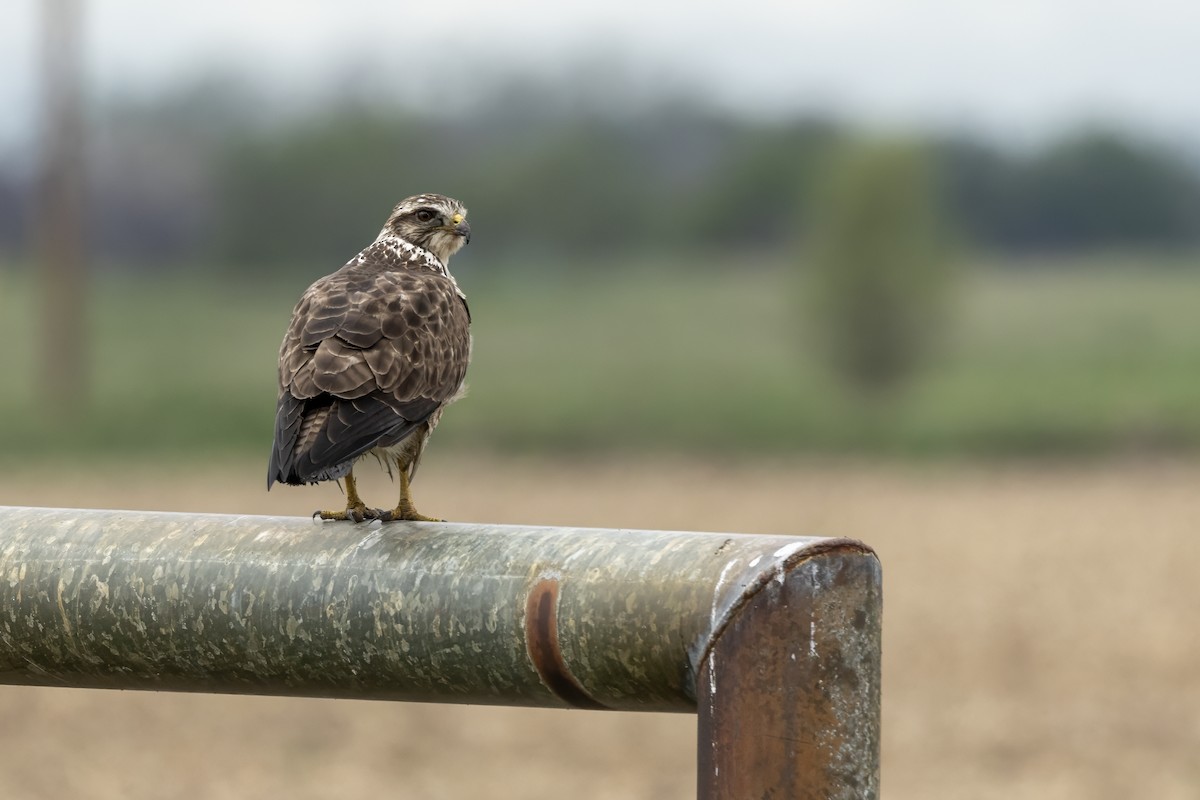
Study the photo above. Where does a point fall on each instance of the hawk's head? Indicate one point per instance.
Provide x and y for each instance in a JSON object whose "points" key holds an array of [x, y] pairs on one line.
{"points": [[433, 221]]}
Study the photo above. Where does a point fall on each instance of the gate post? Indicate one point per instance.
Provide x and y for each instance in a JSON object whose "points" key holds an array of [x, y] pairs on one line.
{"points": [[788, 691]]}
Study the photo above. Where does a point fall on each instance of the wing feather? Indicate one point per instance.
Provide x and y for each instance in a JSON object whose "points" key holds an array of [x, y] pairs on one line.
{"points": [[372, 351]]}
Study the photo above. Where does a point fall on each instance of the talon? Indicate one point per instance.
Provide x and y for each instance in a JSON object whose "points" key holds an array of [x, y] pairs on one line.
{"points": [[352, 514], [407, 515], [358, 511]]}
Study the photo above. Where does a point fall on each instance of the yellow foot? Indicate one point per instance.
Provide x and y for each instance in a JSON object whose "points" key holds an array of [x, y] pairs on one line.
{"points": [[352, 513], [404, 514]]}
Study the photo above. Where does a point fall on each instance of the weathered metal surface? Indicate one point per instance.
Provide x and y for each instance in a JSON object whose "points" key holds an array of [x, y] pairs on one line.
{"points": [[778, 637], [790, 686], [507, 615]]}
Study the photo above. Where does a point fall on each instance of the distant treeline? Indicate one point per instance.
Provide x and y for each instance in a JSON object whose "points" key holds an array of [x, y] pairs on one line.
{"points": [[204, 176]]}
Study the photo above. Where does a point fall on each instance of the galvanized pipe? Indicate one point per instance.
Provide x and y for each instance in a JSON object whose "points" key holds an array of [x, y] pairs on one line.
{"points": [[782, 632]]}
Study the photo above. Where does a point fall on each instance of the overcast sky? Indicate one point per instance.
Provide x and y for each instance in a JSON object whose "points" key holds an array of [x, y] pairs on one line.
{"points": [[1015, 68]]}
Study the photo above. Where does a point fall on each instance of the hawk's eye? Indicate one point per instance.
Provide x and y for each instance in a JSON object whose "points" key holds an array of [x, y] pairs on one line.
{"points": [[425, 214]]}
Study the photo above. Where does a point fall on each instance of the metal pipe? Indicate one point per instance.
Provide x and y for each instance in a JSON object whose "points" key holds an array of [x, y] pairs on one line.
{"points": [[782, 632], [790, 689]]}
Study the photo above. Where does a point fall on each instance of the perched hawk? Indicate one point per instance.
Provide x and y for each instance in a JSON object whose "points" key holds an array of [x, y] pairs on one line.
{"points": [[373, 355]]}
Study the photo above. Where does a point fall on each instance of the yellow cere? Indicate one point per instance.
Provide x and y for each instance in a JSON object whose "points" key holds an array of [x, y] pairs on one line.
{"points": [[457, 218]]}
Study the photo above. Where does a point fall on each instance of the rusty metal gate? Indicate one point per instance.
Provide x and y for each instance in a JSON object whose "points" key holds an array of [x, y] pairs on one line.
{"points": [[773, 641]]}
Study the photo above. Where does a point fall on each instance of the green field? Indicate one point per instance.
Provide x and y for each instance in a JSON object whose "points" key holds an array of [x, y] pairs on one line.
{"points": [[1075, 359]]}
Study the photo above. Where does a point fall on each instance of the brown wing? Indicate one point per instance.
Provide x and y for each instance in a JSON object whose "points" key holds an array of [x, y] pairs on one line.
{"points": [[369, 356]]}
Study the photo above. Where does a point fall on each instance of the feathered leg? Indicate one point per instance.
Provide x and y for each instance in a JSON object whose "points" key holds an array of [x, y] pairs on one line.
{"points": [[406, 510]]}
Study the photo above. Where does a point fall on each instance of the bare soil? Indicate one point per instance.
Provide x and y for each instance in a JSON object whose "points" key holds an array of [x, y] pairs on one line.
{"points": [[1041, 638]]}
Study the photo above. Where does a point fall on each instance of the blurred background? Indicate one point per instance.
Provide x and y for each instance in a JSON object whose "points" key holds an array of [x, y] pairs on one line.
{"points": [[926, 274]]}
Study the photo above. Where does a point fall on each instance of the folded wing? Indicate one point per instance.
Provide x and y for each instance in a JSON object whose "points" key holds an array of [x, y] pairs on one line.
{"points": [[368, 357]]}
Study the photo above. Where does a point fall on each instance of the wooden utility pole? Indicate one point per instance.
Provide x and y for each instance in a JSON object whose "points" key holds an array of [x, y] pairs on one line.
{"points": [[63, 378]]}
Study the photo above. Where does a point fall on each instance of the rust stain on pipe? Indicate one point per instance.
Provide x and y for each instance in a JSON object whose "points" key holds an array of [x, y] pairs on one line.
{"points": [[790, 686], [541, 639], [789, 563]]}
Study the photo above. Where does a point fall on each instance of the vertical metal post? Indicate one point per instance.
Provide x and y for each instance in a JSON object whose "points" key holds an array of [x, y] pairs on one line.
{"points": [[789, 693], [60, 237]]}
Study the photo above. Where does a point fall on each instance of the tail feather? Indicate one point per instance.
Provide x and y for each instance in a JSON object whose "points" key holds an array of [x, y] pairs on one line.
{"points": [[318, 439]]}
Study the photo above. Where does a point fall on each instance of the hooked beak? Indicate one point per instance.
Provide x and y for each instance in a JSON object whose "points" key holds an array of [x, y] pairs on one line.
{"points": [[461, 228]]}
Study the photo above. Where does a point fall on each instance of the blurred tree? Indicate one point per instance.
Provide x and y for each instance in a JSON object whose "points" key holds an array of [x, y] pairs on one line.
{"points": [[880, 271], [977, 190], [317, 192], [154, 173], [754, 191], [1091, 190], [577, 187], [1101, 189], [558, 171]]}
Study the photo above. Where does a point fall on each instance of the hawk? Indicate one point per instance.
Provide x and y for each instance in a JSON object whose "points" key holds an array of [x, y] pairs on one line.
{"points": [[373, 355]]}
